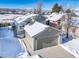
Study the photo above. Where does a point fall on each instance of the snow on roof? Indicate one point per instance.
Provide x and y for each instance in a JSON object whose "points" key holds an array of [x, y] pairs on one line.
{"points": [[24, 17], [54, 17], [35, 28], [46, 16]]}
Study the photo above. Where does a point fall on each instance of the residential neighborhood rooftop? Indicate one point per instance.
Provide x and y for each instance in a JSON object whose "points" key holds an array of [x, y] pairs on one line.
{"points": [[35, 28], [24, 17], [55, 16]]}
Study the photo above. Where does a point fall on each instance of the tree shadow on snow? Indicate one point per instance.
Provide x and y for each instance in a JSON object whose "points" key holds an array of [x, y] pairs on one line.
{"points": [[65, 39]]}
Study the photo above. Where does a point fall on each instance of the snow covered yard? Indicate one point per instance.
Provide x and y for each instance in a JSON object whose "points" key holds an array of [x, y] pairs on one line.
{"points": [[64, 39], [9, 45], [72, 44]]}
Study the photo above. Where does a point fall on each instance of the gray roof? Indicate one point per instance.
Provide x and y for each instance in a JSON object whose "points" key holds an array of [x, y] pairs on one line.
{"points": [[40, 18], [49, 31]]}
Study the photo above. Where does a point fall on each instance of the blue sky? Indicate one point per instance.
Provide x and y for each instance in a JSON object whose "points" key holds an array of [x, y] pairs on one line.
{"points": [[47, 4]]}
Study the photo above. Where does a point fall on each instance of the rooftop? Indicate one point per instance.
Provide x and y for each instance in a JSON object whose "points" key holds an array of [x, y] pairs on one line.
{"points": [[24, 17], [54, 16], [35, 28]]}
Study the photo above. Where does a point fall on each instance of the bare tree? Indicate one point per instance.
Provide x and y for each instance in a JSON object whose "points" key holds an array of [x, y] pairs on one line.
{"points": [[70, 22], [39, 7], [68, 11]]}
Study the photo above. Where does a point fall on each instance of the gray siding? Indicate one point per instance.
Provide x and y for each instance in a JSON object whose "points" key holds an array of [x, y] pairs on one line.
{"points": [[47, 38], [47, 42]]}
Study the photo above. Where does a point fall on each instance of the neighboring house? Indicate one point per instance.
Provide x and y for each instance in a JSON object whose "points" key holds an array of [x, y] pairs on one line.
{"points": [[19, 23], [40, 36], [23, 20], [55, 19]]}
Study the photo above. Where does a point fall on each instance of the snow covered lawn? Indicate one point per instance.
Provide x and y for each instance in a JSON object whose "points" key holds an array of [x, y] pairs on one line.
{"points": [[9, 45], [73, 46]]}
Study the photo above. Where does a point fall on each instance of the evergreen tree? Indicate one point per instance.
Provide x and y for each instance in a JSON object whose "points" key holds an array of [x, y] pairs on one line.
{"points": [[56, 8]]}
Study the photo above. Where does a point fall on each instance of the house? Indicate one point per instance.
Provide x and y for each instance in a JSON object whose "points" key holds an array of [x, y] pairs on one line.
{"points": [[55, 19], [19, 24], [24, 19], [40, 36]]}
